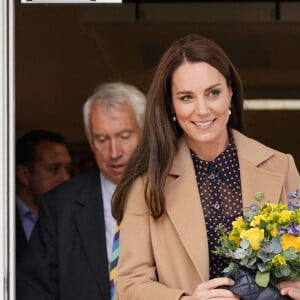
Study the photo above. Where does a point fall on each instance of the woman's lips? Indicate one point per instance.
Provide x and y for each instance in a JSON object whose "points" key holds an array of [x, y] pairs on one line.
{"points": [[204, 124]]}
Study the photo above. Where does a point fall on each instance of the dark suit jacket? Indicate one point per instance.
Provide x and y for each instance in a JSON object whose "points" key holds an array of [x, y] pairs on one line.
{"points": [[21, 241], [66, 256]]}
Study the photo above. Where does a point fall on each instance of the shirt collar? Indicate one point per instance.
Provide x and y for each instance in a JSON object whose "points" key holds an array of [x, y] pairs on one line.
{"points": [[23, 209], [107, 187], [218, 165]]}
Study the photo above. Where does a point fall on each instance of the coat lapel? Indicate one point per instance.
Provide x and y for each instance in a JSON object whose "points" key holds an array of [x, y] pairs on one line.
{"points": [[253, 178], [185, 211], [256, 180], [90, 224]]}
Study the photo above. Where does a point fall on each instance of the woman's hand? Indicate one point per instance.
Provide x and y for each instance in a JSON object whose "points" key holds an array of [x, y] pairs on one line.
{"points": [[210, 290], [290, 288]]}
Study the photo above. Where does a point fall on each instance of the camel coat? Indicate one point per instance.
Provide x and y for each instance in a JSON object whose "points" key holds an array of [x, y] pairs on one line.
{"points": [[165, 258]]}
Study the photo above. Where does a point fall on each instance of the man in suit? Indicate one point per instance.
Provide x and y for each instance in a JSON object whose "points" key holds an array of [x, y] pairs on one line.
{"points": [[42, 162], [70, 249]]}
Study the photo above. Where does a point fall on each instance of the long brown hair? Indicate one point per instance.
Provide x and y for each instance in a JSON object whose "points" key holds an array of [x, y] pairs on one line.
{"points": [[155, 152]]}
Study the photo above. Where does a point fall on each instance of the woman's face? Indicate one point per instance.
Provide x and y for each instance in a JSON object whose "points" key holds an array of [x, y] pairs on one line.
{"points": [[201, 100]]}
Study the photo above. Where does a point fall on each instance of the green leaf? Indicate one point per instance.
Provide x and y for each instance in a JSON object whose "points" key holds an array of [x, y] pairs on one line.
{"points": [[262, 267], [263, 256], [231, 267], [285, 271], [249, 251], [263, 224], [276, 245], [244, 261], [267, 247], [251, 262], [245, 243], [239, 253], [259, 197], [262, 279], [290, 254]]}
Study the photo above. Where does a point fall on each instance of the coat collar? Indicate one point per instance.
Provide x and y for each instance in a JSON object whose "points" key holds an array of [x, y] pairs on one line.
{"points": [[183, 203], [248, 149], [255, 179], [251, 150]]}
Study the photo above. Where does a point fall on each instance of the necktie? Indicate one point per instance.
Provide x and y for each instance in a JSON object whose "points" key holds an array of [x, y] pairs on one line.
{"points": [[114, 261]]}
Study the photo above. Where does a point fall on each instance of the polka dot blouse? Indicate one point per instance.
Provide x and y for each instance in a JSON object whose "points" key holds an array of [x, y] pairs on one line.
{"points": [[219, 186]]}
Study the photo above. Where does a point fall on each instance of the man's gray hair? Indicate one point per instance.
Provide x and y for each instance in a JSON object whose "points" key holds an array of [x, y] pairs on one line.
{"points": [[113, 93]]}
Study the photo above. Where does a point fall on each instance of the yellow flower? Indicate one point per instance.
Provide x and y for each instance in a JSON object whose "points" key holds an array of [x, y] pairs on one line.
{"points": [[276, 206], [256, 220], [234, 238], [274, 232], [238, 224], [288, 241], [282, 206], [285, 216], [272, 205], [278, 260], [268, 209], [254, 236], [273, 217]]}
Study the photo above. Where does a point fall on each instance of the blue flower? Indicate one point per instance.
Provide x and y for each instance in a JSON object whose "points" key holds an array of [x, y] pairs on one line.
{"points": [[254, 208], [293, 230], [291, 206], [294, 195], [283, 230]]}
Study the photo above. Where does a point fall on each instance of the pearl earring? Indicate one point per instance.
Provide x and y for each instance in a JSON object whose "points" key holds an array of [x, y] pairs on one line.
{"points": [[174, 118]]}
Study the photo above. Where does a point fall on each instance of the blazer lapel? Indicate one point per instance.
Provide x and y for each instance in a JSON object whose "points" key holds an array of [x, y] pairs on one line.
{"points": [[90, 224], [185, 211]]}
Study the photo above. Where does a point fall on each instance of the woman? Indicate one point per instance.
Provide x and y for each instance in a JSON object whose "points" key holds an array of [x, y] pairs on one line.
{"points": [[192, 171]]}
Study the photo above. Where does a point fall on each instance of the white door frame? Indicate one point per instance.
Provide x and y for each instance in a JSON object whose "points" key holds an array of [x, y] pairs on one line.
{"points": [[7, 100]]}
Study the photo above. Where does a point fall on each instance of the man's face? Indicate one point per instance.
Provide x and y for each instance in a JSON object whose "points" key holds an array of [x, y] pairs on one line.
{"points": [[115, 134], [51, 167]]}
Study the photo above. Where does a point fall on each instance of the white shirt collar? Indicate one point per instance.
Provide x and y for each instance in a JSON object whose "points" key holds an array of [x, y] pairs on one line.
{"points": [[108, 188]]}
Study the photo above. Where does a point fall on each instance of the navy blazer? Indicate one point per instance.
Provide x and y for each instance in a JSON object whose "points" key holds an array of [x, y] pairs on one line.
{"points": [[66, 256]]}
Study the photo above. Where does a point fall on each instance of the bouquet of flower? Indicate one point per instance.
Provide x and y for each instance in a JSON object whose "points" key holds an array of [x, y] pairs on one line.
{"points": [[265, 240]]}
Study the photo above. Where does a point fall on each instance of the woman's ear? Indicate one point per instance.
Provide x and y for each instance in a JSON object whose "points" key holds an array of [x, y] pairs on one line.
{"points": [[230, 92], [23, 174]]}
